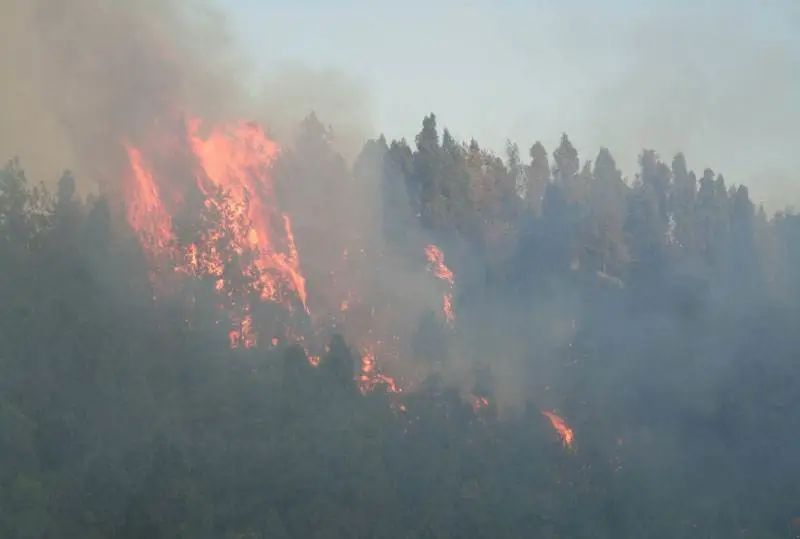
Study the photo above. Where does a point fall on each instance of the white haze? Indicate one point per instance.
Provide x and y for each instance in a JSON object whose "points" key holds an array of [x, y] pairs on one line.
{"points": [[717, 80]]}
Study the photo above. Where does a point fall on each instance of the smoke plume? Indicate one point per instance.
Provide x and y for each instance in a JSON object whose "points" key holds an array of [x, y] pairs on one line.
{"points": [[90, 73]]}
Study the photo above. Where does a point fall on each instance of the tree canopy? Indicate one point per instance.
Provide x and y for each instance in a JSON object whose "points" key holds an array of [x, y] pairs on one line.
{"points": [[658, 315]]}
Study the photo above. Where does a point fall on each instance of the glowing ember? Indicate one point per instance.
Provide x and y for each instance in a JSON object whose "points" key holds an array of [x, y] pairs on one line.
{"points": [[370, 378], [314, 361], [478, 403], [447, 308], [243, 334], [561, 427]]}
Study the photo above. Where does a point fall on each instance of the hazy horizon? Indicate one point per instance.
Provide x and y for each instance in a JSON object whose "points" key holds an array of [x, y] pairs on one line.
{"points": [[620, 74]]}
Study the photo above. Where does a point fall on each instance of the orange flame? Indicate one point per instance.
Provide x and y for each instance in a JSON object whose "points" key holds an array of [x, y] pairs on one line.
{"points": [[436, 262], [244, 245], [243, 334], [447, 308], [231, 167], [237, 159], [370, 378], [145, 211], [561, 427], [443, 273]]}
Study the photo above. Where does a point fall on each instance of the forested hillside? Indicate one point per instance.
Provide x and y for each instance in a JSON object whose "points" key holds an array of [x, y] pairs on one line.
{"points": [[396, 361]]}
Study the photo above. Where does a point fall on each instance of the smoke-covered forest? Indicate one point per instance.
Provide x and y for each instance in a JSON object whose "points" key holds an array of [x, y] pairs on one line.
{"points": [[241, 312], [576, 354]]}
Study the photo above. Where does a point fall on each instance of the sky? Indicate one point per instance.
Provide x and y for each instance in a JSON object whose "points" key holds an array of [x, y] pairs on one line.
{"points": [[716, 79], [719, 80]]}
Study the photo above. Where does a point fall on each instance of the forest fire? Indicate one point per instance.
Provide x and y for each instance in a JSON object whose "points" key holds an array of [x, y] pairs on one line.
{"points": [[436, 261], [145, 211], [443, 273], [204, 205], [235, 162], [369, 377], [332, 323], [242, 334], [244, 243], [478, 403], [225, 225], [564, 431]]}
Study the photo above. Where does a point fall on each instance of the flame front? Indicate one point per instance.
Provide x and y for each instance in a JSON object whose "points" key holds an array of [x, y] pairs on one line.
{"points": [[561, 427], [202, 202], [244, 229], [236, 160]]}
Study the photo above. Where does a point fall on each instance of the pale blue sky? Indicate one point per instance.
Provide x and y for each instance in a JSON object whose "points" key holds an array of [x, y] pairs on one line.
{"points": [[717, 79]]}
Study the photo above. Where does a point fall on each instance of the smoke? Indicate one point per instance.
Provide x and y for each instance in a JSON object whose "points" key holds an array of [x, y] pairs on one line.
{"points": [[715, 80], [724, 93], [99, 73], [90, 74], [288, 93], [29, 129]]}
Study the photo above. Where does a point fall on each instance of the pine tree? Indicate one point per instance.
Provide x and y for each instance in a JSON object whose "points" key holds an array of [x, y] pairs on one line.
{"points": [[566, 164], [339, 363], [607, 210], [538, 176], [682, 203]]}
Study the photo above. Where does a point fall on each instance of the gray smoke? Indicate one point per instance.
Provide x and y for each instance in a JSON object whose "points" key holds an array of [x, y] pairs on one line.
{"points": [[89, 74]]}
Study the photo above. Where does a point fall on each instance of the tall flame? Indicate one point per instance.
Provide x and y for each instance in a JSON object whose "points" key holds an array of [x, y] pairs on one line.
{"points": [[564, 431], [205, 205], [145, 210], [443, 273], [436, 261], [236, 159], [231, 168]]}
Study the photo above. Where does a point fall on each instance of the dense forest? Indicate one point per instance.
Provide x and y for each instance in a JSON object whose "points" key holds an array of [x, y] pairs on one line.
{"points": [[657, 315]]}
